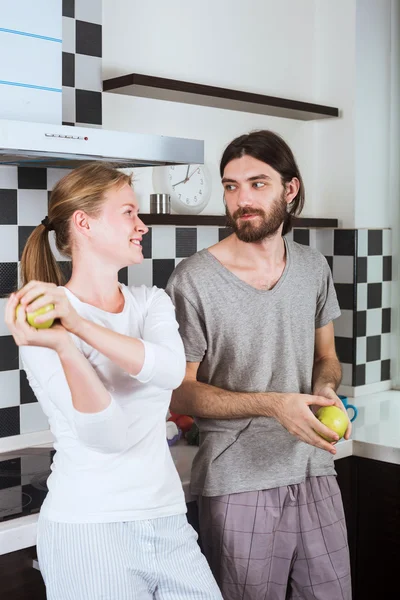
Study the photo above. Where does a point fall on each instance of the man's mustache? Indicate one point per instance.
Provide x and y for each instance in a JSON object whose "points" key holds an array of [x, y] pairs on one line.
{"points": [[241, 212]]}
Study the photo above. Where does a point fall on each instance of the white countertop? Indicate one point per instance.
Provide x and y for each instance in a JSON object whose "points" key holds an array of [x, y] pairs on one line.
{"points": [[376, 435], [376, 431]]}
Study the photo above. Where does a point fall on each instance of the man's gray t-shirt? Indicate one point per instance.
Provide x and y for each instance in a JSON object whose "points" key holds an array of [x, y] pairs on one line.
{"points": [[250, 340]]}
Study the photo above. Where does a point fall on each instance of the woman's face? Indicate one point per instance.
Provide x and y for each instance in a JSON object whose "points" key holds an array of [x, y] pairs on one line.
{"points": [[116, 234]]}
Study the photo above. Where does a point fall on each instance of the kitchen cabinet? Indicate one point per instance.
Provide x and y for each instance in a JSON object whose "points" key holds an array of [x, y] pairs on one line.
{"points": [[378, 529], [371, 499], [18, 579], [345, 469]]}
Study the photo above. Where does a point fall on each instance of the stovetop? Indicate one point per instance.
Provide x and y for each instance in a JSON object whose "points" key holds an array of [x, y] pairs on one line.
{"points": [[23, 477]]}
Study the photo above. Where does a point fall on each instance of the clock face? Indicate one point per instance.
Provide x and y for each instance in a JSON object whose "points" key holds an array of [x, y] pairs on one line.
{"points": [[188, 185]]}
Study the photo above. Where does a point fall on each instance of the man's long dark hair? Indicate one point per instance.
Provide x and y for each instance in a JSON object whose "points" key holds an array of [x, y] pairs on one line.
{"points": [[271, 149]]}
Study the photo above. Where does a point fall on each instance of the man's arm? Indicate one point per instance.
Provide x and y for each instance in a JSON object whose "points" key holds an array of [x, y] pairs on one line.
{"points": [[327, 372], [291, 410], [210, 402]]}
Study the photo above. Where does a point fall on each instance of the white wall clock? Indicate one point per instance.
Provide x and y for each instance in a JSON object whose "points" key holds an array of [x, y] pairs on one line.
{"points": [[188, 185]]}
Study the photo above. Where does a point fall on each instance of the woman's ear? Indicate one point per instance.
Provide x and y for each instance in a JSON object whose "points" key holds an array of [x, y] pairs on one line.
{"points": [[81, 222]]}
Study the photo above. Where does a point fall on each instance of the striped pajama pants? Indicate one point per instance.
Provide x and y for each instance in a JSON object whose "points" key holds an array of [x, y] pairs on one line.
{"points": [[157, 559]]}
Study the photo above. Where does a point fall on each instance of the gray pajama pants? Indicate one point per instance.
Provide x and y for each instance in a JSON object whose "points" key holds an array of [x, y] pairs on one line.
{"points": [[278, 544]]}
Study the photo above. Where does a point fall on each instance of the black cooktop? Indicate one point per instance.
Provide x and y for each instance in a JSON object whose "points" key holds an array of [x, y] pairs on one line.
{"points": [[23, 476]]}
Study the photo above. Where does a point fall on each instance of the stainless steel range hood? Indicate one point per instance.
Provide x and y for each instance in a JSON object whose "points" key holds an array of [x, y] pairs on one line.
{"points": [[43, 145]]}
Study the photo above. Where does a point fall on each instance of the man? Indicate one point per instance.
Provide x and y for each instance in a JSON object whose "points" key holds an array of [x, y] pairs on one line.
{"points": [[255, 314]]}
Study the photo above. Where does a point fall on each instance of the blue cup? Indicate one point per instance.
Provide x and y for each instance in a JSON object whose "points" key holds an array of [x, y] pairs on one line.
{"points": [[346, 404]]}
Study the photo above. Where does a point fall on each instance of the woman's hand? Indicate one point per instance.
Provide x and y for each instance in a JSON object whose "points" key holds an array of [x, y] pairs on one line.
{"points": [[55, 338], [36, 294]]}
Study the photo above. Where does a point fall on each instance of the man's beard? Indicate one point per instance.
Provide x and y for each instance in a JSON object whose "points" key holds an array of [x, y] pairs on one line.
{"points": [[253, 230]]}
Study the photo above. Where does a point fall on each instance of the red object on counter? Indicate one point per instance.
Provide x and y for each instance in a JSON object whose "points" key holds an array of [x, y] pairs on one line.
{"points": [[184, 422]]}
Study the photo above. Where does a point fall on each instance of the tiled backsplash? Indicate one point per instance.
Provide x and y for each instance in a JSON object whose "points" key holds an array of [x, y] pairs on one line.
{"points": [[360, 261], [24, 198], [81, 62], [23, 204]]}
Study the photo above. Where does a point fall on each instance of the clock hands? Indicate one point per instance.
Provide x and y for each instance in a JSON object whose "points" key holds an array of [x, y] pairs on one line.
{"points": [[192, 174], [186, 177], [179, 182]]}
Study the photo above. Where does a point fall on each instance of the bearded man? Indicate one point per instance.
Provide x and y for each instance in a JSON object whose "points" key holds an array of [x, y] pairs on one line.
{"points": [[255, 313]]}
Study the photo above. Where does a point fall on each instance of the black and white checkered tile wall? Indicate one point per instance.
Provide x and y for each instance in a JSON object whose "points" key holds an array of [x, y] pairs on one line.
{"points": [[23, 204], [361, 263], [24, 199], [164, 247], [81, 62]]}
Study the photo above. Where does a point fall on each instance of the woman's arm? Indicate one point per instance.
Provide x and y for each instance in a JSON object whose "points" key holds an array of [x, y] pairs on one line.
{"points": [[157, 357], [88, 394], [61, 376], [68, 381], [126, 352]]}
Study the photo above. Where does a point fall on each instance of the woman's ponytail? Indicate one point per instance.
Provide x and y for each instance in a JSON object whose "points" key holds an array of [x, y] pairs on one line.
{"points": [[38, 261]]}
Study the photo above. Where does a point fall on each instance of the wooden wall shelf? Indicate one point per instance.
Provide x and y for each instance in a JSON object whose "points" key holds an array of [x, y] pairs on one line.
{"points": [[220, 221], [160, 88]]}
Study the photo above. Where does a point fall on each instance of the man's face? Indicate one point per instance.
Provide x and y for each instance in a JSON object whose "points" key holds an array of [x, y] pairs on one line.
{"points": [[256, 201]]}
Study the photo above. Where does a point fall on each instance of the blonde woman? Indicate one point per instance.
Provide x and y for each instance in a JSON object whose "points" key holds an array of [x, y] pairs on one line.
{"points": [[113, 524]]}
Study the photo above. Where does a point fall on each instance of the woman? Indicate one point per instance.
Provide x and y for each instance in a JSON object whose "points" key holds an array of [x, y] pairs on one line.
{"points": [[113, 524]]}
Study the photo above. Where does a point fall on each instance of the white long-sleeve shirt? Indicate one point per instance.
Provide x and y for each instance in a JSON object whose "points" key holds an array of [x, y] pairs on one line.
{"points": [[114, 465]]}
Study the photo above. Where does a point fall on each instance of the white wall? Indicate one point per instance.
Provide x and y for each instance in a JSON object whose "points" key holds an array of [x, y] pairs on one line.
{"points": [[394, 182], [261, 46], [330, 52], [252, 46], [353, 71], [333, 164], [372, 113]]}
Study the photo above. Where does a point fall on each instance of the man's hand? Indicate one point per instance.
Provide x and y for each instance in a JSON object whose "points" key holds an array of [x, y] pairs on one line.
{"points": [[327, 392], [295, 415]]}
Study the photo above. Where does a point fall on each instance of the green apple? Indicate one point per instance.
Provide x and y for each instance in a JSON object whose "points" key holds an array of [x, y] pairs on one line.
{"points": [[333, 418], [30, 317]]}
